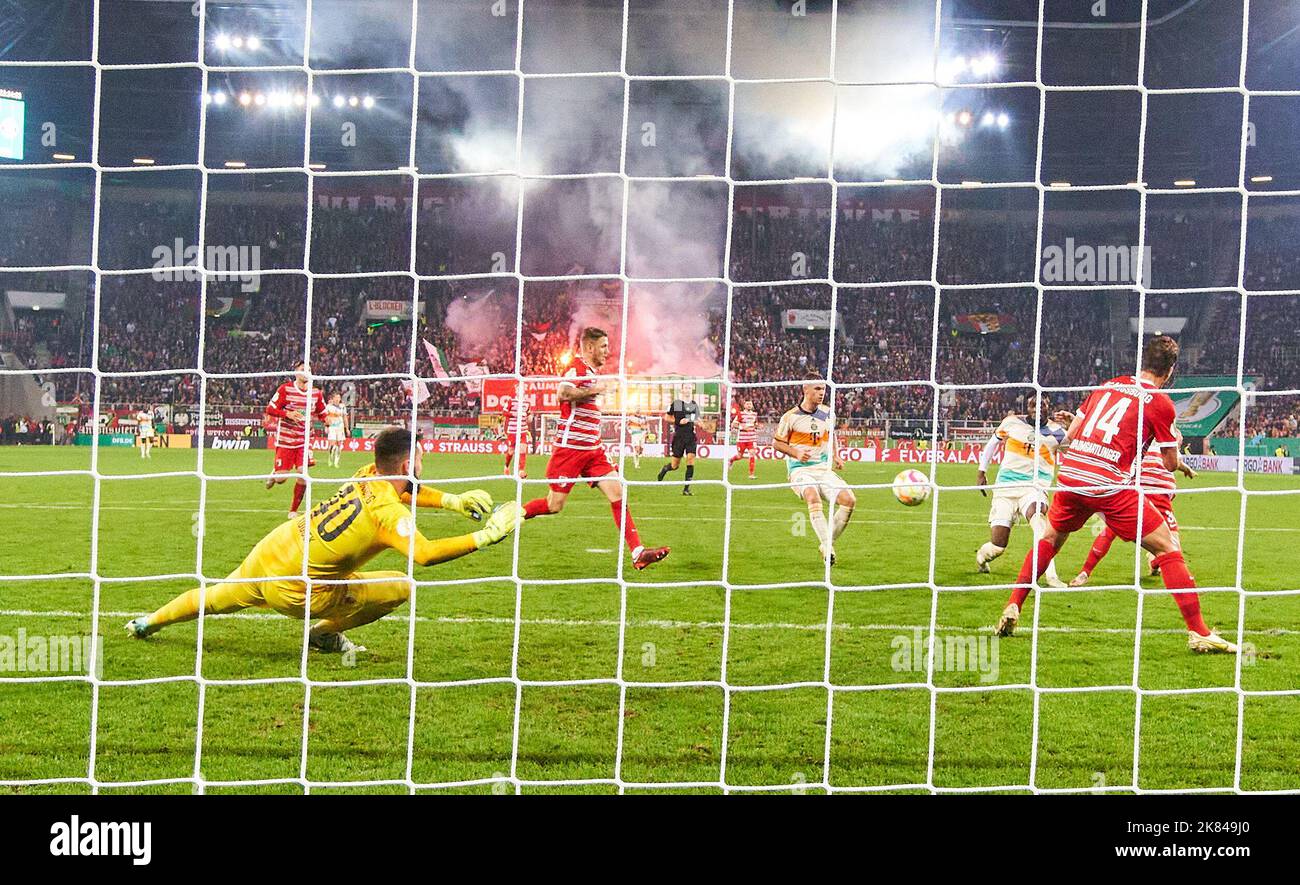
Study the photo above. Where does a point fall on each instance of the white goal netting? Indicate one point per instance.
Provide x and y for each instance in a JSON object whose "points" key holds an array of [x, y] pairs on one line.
{"points": [[947, 188]]}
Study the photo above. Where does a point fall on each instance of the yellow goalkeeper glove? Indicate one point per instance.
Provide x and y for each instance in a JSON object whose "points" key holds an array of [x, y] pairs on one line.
{"points": [[475, 503], [499, 526]]}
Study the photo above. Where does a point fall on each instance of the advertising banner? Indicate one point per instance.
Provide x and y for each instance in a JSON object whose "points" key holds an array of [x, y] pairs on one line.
{"points": [[499, 393], [1200, 411], [1228, 463]]}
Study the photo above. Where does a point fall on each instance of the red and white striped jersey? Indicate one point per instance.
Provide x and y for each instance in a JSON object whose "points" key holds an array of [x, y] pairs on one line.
{"points": [[1155, 478], [290, 397], [748, 426], [1103, 449], [579, 421], [518, 418]]}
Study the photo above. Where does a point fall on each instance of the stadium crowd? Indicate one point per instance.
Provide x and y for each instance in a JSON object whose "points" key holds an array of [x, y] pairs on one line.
{"points": [[884, 333]]}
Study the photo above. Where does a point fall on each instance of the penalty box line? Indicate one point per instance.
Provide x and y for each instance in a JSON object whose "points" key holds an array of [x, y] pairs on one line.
{"points": [[663, 624], [640, 510]]}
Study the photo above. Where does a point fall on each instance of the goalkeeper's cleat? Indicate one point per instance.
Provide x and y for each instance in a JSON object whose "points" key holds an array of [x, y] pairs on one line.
{"points": [[333, 644], [1210, 643], [1007, 623], [1080, 579], [649, 556], [826, 554], [138, 628], [503, 521]]}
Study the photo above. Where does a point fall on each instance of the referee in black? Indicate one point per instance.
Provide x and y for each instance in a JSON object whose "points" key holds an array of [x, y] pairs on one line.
{"points": [[682, 415]]}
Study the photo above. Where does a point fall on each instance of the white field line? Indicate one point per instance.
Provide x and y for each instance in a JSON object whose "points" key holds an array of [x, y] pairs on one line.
{"points": [[642, 516], [659, 623]]}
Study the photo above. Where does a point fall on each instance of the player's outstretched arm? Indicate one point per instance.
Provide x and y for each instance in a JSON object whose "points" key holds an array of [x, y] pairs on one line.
{"points": [[407, 540], [474, 504]]}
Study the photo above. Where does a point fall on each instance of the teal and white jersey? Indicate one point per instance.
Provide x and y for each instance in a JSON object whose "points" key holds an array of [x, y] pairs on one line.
{"points": [[809, 429], [1018, 439]]}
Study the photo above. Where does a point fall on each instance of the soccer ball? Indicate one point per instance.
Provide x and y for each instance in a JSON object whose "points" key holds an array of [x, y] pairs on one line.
{"points": [[911, 487]]}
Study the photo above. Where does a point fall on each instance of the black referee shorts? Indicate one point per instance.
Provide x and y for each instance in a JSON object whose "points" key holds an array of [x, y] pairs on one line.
{"points": [[683, 444]]}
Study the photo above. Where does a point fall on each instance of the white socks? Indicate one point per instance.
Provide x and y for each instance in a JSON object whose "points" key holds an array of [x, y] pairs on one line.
{"points": [[839, 519], [990, 552], [818, 519]]}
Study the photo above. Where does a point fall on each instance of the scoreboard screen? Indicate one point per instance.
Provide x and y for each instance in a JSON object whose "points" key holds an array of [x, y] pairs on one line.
{"points": [[12, 114]]}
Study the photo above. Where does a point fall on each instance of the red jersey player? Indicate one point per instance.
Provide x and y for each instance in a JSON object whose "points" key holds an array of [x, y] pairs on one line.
{"points": [[1097, 476], [746, 434], [289, 409], [1160, 487], [518, 420], [578, 450]]}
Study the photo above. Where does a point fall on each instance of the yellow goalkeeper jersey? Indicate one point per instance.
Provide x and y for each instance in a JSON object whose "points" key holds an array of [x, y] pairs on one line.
{"points": [[360, 521]]}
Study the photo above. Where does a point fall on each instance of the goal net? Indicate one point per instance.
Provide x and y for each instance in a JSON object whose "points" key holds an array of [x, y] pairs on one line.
{"points": [[939, 210]]}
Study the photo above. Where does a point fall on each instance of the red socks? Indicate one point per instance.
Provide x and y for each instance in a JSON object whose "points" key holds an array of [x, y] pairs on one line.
{"points": [[751, 465], [1173, 571], [1046, 552], [536, 507], [625, 523], [1100, 548], [299, 489], [523, 460]]}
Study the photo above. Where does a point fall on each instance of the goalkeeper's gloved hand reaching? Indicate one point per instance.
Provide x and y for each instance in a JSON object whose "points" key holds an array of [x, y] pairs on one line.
{"points": [[500, 525], [475, 503]]}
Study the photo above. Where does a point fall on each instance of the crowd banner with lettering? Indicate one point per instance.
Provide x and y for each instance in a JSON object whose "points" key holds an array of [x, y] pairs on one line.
{"points": [[803, 318], [387, 310], [499, 393]]}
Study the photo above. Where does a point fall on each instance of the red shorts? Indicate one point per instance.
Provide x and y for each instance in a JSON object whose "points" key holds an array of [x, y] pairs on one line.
{"points": [[1069, 511], [524, 438], [289, 459], [1164, 505], [577, 462], [743, 447]]}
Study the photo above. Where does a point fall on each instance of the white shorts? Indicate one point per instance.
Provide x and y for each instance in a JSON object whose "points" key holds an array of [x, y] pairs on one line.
{"points": [[636, 438], [824, 479], [149, 436], [1012, 501], [334, 434]]}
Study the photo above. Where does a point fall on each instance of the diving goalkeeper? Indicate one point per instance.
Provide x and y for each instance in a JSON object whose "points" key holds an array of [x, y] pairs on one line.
{"points": [[365, 517]]}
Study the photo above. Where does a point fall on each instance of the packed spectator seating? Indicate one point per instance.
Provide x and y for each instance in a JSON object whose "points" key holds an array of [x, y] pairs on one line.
{"points": [[883, 334]]}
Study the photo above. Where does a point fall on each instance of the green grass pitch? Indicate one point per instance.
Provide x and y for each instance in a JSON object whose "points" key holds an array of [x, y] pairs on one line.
{"points": [[568, 611]]}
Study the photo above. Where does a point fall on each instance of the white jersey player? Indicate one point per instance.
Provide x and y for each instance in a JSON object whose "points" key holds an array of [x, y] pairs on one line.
{"points": [[336, 428], [145, 432], [1020, 490], [804, 436], [636, 437]]}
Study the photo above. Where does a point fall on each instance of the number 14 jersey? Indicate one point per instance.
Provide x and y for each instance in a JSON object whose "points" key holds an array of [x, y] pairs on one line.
{"points": [[1102, 456]]}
